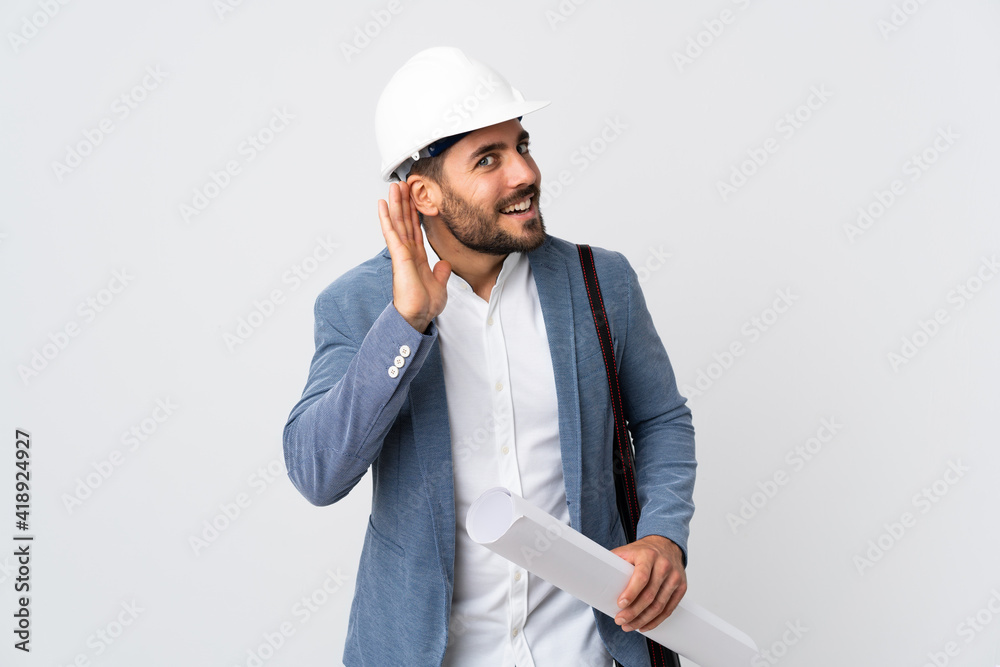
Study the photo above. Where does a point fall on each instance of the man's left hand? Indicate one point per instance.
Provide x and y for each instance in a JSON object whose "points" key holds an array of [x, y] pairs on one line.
{"points": [[656, 586]]}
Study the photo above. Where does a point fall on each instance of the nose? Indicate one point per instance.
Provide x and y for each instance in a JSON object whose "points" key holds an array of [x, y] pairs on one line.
{"points": [[520, 171]]}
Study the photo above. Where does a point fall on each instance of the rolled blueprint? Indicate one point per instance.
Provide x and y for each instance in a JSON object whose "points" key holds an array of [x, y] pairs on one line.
{"points": [[510, 526]]}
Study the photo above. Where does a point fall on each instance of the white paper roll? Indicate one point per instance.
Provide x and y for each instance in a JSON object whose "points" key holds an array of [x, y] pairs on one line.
{"points": [[509, 525]]}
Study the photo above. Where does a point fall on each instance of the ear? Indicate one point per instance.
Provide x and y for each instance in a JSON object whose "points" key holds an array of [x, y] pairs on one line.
{"points": [[425, 194]]}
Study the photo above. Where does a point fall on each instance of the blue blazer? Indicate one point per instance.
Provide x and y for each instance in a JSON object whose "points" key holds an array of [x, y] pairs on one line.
{"points": [[354, 415]]}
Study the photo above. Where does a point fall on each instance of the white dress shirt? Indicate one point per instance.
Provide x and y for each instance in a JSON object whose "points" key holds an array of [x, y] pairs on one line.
{"points": [[502, 411]]}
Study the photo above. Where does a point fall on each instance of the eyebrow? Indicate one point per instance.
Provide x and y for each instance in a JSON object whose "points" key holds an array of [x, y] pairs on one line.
{"points": [[496, 145]]}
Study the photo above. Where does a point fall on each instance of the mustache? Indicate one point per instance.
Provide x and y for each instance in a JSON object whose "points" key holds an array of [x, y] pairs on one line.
{"points": [[518, 196]]}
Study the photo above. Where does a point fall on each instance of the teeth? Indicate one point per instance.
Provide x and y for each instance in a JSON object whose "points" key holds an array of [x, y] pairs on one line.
{"points": [[523, 205]]}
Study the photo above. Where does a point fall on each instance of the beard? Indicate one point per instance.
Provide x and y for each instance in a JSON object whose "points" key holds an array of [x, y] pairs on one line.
{"points": [[479, 229]]}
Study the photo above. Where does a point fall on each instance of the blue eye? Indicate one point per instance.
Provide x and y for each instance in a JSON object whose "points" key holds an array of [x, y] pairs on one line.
{"points": [[524, 145], [488, 157]]}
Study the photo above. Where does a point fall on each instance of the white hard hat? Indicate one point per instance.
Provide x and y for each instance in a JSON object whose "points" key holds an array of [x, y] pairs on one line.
{"points": [[439, 93]]}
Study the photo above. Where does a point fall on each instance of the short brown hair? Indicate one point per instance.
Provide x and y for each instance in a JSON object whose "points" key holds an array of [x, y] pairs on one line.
{"points": [[429, 167]]}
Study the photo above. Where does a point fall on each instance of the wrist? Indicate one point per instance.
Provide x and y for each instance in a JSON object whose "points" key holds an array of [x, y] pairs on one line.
{"points": [[665, 543], [420, 325], [418, 322]]}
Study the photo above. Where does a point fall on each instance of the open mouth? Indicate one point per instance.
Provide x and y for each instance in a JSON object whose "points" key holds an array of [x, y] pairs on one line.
{"points": [[523, 208]]}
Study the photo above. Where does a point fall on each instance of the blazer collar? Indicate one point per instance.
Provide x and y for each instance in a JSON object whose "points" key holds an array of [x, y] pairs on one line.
{"points": [[552, 274]]}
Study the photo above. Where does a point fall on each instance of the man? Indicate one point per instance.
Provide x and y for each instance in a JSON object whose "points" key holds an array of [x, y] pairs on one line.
{"points": [[470, 360]]}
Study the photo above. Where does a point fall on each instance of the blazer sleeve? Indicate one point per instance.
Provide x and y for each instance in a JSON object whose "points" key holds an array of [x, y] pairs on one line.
{"points": [[335, 431], [660, 423]]}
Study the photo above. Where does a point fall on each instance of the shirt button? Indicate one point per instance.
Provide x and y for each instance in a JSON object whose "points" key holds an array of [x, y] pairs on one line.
{"points": [[404, 351], [393, 371], [517, 576], [505, 449], [515, 632], [399, 361], [499, 386], [489, 321]]}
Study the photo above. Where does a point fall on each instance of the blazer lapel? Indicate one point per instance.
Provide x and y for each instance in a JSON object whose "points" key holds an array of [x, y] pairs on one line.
{"points": [[432, 442], [552, 280]]}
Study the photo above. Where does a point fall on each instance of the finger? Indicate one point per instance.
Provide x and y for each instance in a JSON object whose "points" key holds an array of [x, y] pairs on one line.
{"points": [[394, 211], [675, 598], [656, 610], [418, 234], [442, 271], [671, 605], [644, 608], [385, 221], [414, 213], [397, 250], [636, 583], [418, 237], [404, 209], [399, 219]]}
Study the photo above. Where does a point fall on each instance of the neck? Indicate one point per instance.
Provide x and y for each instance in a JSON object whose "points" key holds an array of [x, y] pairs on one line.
{"points": [[478, 269]]}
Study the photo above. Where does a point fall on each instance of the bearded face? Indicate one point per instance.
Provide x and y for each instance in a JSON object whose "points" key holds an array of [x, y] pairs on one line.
{"points": [[486, 229]]}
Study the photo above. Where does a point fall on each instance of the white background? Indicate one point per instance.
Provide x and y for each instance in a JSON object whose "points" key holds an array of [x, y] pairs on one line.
{"points": [[889, 89]]}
